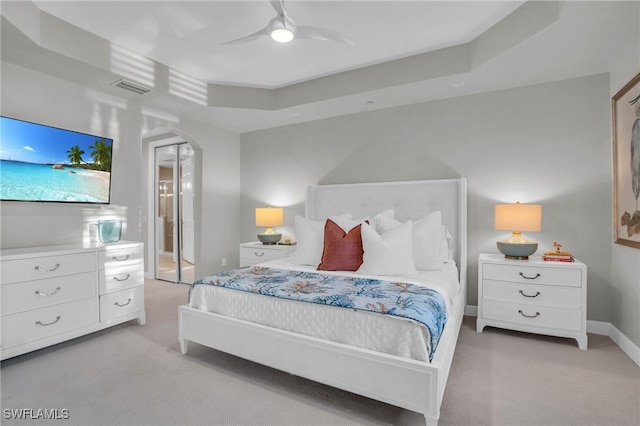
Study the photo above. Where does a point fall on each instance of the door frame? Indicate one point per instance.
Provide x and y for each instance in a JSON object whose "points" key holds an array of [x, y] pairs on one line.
{"points": [[162, 137]]}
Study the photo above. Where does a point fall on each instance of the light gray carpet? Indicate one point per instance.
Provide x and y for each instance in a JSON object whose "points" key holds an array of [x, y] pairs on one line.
{"points": [[135, 375]]}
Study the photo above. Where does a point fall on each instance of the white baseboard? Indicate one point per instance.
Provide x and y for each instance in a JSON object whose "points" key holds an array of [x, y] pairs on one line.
{"points": [[471, 310], [608, 329], [595, 327]]}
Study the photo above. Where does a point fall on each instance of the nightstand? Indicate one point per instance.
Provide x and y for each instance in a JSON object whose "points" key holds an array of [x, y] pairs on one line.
{"points": [[252, 253], [533, 296]]}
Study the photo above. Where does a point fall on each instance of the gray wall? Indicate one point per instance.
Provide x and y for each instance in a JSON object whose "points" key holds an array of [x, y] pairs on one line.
{"points": [[625, 261], [547, 144], [34, 96]]}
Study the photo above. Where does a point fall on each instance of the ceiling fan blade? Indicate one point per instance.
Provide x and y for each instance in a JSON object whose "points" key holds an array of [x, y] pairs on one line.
{"points": [[278, 5], [250, 37], [322, 34]]}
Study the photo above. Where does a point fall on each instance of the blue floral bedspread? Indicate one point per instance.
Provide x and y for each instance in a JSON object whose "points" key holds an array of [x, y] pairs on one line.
{"points": [[415, 302]]}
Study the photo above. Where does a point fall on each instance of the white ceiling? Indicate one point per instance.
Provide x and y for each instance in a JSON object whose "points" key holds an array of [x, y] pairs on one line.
{"points": [[187, 35], [405, 52]]}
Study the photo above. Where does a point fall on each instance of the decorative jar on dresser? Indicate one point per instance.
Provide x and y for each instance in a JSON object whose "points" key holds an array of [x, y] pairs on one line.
{"points": [[534, 296], [55, 293], [252, 253]]}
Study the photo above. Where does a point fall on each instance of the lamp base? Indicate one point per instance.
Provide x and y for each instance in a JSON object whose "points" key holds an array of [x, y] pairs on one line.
{"points": [[269, 239], [519, 251]]}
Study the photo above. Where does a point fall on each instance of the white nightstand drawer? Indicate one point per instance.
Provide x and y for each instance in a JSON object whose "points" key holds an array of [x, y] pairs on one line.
{"points": [[558, 296], [117, 256], [40, 323], [534, 316], [252, 253], [36, 268], [115, 279], [121, 303], [533, 296], [533, 274], [24, 296], [255, 255]]}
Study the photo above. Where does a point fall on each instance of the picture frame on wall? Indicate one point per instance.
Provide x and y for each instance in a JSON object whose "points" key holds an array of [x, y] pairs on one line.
{"points": [[625, 106]]}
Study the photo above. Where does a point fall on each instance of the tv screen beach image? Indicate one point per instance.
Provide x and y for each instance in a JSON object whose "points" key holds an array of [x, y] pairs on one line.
{"points": [[42, 163]]}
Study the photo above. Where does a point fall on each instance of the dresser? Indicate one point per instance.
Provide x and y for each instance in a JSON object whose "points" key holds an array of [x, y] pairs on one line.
{"points": [[533, 296], [55, 293], [256, 252]]}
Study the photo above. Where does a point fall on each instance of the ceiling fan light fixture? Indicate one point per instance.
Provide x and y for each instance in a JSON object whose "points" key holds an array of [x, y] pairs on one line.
{"points": [[282, 35]]}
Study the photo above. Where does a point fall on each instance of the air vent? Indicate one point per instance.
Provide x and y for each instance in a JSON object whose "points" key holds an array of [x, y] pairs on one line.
{"points": [[131, 86]]}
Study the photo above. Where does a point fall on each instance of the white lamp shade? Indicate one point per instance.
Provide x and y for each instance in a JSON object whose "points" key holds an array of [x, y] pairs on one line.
{"points": [[518, 217], [269, 216]]}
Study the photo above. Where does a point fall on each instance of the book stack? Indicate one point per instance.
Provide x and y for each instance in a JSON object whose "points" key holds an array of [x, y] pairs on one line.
{"points": [[557, 256]]}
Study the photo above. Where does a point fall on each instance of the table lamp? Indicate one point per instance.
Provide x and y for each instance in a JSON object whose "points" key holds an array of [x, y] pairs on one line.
{"points": [[517, 218], [269, 216]]}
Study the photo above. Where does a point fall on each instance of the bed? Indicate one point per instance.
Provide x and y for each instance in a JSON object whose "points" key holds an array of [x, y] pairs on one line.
{"points": [[408, 380]]}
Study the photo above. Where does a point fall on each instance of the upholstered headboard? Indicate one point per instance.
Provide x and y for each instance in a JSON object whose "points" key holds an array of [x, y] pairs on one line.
{"points": [[410, 200]]}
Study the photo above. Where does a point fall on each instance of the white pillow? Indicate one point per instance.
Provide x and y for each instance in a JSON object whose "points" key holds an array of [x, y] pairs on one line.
{"points": [[345, 222], [310, 238], [427, 240], [375, 221], [348, 223], [390, 253], [446, 245]]}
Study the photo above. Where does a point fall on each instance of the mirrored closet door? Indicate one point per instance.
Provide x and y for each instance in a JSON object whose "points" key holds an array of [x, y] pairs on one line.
{"points": [[174, 222]]}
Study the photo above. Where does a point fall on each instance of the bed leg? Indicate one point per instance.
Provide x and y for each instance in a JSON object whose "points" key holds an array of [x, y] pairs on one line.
{"points": [[430, 421], [184, 346]]}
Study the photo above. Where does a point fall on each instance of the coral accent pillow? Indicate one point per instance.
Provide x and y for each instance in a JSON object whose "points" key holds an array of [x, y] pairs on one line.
{"points": [[342, 250], [310, 235]]}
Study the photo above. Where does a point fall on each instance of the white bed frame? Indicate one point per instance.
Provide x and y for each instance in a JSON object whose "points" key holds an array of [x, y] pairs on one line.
{"points": [[414, 385]]}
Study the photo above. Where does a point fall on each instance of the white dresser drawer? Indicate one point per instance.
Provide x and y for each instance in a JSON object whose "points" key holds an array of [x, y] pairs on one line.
{"points": [[533, 316], [117, 256], [533, 274], [41, 323], [120, 278], [121, 303], [37, 268], [558, 296], [28, 295]]}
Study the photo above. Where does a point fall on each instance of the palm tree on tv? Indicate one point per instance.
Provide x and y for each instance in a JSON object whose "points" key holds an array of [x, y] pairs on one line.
{"points": [[75, 155], [101, 154]]}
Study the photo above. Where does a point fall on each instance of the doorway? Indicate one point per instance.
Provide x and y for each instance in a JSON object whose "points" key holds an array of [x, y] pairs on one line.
{"points": [[174, 213]]}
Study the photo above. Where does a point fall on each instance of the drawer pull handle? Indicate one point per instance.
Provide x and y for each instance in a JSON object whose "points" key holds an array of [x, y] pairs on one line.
{"points": [[38, 268], [529, 278], [39, 293], [529, 316], [121, 258], [529, 295], [44, 324], [258, 254], [122, 279], [120, 306]]}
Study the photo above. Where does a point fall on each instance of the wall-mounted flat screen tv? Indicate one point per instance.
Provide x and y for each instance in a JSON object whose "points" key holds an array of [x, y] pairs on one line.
{"points": [[44, 163]]}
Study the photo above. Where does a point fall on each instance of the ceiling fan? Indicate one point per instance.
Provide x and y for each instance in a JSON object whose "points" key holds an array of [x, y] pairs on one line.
{"points": [[283, 29]]}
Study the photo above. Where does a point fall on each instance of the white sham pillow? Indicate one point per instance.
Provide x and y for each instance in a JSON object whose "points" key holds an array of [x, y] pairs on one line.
{"points": [[390, 253], [347, 223], [446, 245], [427, 240], [310, 239], [375, 221]]}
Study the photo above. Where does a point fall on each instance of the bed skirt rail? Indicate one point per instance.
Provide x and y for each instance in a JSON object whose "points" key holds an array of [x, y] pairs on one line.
{"points": [[414, 385]]}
